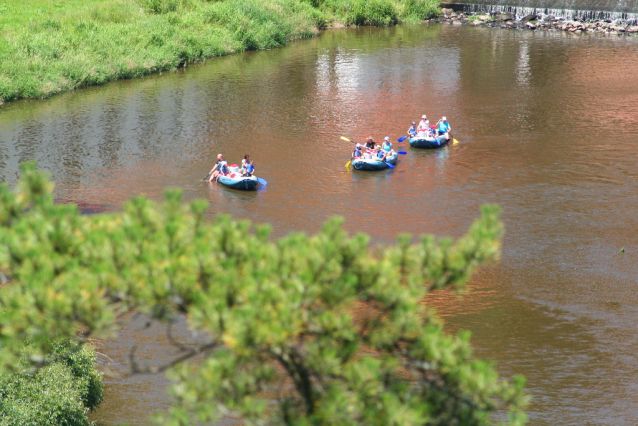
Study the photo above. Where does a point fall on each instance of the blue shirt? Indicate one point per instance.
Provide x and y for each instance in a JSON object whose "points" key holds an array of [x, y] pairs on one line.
{"points": [[444, 126]]}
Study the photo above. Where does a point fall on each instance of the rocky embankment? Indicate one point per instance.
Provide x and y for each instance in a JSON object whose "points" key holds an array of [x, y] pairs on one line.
{"points": [[535, 22]]}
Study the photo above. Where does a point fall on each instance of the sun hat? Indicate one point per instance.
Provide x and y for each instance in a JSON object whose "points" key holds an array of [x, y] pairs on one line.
{"points": [[387, 138], [424, 116], [444, 119], [414, 122]]}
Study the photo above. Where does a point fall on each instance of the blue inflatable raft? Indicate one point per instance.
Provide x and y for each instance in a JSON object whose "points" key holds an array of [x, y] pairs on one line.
{"points": [[428, 143], [237, 181], [371, 165]]}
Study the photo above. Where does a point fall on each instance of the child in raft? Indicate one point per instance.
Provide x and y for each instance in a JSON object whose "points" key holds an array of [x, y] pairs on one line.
{"points": [[357, 154], [250, 168], [412, 130]]}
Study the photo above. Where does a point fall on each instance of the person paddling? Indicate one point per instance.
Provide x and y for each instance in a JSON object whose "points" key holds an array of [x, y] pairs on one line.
{"points": [[214, 172], [412, 130], [356, 154], [443, 128]]}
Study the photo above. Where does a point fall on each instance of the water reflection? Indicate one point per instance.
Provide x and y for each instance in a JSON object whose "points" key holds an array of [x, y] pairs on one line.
{"points": [[534, 114]]}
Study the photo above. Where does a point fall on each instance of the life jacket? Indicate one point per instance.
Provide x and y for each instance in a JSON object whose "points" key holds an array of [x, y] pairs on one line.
{"points": [[356, 153], [250, 168]]}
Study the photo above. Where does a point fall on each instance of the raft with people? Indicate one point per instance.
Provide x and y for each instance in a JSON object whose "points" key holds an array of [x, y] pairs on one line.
{"points": [[429, 137], [373, 164], [233, 176]]}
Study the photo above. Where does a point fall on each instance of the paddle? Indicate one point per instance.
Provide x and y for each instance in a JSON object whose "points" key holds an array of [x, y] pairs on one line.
{"points": [[262, 181], [402, 138], [454, 141], [401, 152], [206, 178], [347, 140], [386, 163]]}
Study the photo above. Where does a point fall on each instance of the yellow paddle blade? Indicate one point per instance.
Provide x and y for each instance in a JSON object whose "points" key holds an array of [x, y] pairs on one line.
{"points": [[454, 141], [348, 164], [345, 139]]}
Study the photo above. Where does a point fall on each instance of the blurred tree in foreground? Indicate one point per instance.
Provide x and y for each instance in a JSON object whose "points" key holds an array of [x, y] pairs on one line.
{"points": [[336, 329]]}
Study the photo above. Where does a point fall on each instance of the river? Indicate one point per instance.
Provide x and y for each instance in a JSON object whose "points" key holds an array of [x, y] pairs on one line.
{"points": [[548, 129]]}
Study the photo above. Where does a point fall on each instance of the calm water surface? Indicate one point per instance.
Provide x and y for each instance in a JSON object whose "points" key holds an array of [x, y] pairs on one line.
{"points": [[548, 129]]}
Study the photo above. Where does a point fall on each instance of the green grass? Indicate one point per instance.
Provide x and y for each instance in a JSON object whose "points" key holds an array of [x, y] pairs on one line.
{"points": [[47, 47]]}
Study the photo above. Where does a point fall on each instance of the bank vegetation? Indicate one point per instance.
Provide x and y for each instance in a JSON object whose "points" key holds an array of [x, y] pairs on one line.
{"points": [[59, 389], [47, 47]]}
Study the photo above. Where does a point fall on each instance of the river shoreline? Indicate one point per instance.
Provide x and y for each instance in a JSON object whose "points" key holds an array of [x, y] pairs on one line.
{"points": [[99, 43], [46, 49], [536, 22]]}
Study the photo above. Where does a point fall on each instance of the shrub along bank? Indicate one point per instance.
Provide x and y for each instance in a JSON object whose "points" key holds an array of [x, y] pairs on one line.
{"points": [[60, 393], [47, 47]]}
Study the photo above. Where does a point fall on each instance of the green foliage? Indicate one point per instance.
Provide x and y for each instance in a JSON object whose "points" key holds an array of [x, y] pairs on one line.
{"points": [[44, 54], [338, 328], [379, 12], [60, 393], [258, 25], [50, 47], [419, 10], [164, 6], [82, 362], [364, 12]]}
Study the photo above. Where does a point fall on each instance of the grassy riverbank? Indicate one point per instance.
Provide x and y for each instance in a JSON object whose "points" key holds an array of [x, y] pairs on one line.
{"points": [[47, 47]]}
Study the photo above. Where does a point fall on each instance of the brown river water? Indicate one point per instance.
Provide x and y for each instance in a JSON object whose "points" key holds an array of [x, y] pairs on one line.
{"points": [[548, 129]]}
